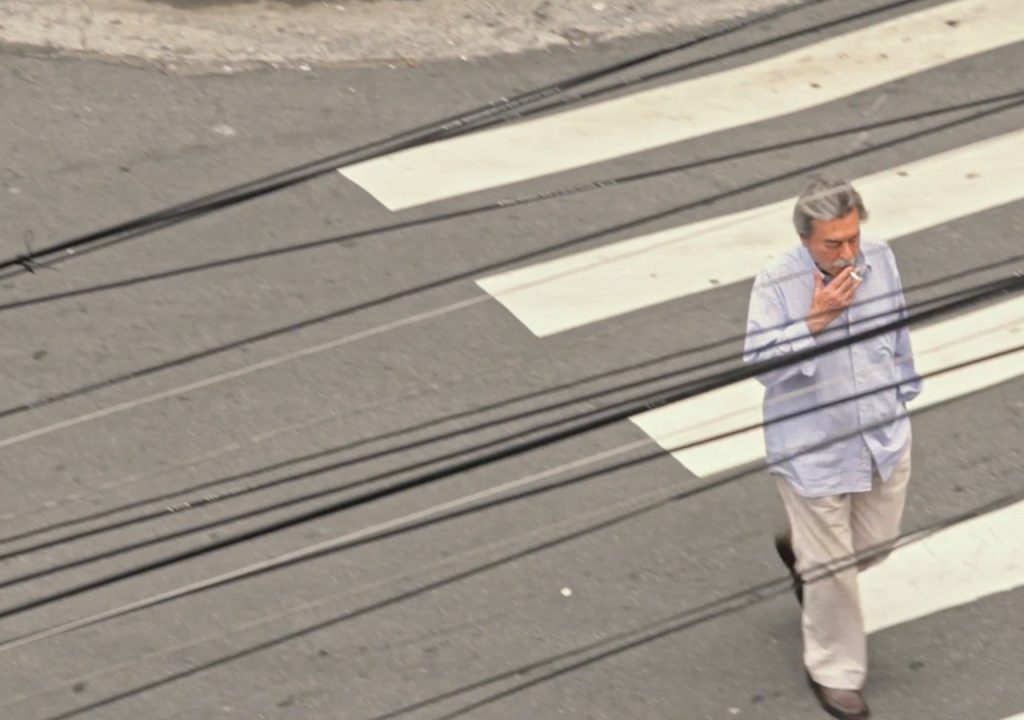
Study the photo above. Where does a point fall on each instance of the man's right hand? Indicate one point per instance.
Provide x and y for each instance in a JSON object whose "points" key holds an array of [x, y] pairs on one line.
{"points": [[829, 302]]}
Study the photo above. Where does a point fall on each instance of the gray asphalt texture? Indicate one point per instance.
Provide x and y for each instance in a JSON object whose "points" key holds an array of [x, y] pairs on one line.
{"points": [[84, 144]]}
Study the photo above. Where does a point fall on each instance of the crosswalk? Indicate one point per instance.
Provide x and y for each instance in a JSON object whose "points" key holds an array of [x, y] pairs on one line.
{"points": [[788, 83], [950, 569], [636, 273]]}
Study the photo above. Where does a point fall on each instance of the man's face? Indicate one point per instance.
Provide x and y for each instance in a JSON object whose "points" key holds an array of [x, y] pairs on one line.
{"points": [[833, 241]]}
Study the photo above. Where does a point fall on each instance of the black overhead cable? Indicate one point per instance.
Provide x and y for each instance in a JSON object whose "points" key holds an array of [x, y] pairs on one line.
{"points": [[434, 422], [600, 418], [209, 498], [462, 123], [504, 204], [619, 643], [762, 591], [489, 267]]}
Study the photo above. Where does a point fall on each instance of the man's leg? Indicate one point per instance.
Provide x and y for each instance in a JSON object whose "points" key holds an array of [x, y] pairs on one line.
{"points": [[835, 646], [876, 515]]}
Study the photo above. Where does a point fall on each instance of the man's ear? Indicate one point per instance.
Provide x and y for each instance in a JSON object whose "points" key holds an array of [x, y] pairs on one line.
{"points": [[806, 240]]}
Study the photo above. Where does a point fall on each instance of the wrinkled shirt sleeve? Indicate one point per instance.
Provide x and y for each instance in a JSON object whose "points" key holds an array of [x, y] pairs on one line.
{"points": [[771, 335]]}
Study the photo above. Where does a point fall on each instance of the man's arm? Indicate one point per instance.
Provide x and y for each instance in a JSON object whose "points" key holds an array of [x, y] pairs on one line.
{"points": [[910, 382], [770, 334]]}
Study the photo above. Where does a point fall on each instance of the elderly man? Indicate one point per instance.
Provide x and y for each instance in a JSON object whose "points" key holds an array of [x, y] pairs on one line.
{"points": [[842, 470]]}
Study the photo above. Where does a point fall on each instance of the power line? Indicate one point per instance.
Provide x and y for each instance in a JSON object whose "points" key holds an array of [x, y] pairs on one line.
{"points": [[470, 504], [235, 447], [442, 282], [480, 118], [701, 621], [761, 591], [451, 126], [600, 419], [722, 607], [234, 493], [502, 204], [185, 506], [334, 598]]}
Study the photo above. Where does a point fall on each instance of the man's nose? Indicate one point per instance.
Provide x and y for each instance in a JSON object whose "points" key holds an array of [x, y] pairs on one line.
{"points": [[847, 253]]}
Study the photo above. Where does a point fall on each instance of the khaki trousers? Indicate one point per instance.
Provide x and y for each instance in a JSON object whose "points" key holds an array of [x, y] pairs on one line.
{"points": [[826, 531]]}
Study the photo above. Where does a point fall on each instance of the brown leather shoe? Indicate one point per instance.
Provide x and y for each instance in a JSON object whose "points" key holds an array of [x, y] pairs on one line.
{"points": [[784, 547], [842, 704]]}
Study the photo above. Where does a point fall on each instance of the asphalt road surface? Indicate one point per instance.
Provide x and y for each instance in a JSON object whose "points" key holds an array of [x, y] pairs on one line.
{"points": [[214, 385]]}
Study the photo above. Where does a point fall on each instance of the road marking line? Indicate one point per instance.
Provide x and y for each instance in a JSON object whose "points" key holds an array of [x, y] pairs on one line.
{"points": [[990, 330], [586, 287], [788, 83], [244, 371], [952, 568]]}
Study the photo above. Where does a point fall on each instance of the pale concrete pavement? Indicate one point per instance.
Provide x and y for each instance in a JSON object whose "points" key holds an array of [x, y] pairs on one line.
{"points": [[187, 36]]}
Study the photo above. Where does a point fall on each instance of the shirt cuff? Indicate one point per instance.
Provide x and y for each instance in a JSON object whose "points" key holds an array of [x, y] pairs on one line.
{"points": [[907, 392]]}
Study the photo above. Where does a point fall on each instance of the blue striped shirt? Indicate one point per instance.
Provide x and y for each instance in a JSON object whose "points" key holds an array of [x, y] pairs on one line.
{"points": [[779, 303]]}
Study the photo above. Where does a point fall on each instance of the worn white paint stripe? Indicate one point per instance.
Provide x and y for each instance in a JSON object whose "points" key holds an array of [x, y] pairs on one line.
{"points": [[969, 561], [595, 285], [788, 83], [972, 335], [237, 373]]}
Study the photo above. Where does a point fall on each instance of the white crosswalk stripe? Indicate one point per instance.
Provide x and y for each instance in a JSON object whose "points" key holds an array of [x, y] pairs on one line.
{"points": [[953, 567], [960, 339], [788, 83], [575, 290]]}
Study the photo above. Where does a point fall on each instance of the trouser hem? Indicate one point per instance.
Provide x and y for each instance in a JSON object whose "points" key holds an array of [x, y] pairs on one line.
{"points": [[838, 681]]}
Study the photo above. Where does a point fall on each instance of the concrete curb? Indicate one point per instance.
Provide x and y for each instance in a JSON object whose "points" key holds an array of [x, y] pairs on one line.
{"points": [[202, 36]]}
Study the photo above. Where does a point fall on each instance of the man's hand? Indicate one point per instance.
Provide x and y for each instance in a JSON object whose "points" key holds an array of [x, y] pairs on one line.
{"points": [[828, 303]]}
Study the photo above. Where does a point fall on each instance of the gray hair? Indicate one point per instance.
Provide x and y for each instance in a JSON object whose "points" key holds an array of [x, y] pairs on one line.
{"points": [[826, 199]]}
